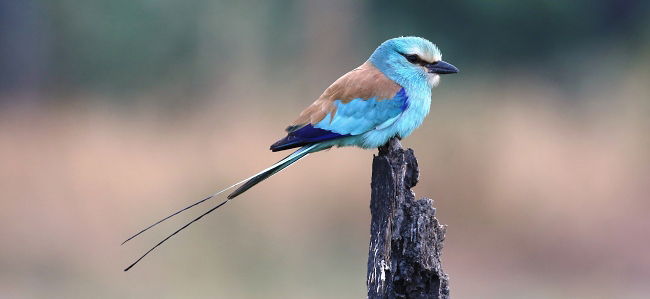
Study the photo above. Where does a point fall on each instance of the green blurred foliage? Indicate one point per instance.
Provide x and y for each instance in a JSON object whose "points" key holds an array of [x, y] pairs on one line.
{"points": [[132, 46], [508, 32]]}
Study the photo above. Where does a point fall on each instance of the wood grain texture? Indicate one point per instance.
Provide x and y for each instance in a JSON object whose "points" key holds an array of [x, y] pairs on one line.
{"points": [[406, 239]]}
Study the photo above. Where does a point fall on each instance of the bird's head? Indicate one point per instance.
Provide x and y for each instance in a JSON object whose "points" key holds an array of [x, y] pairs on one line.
{"points": [[411, 61]]}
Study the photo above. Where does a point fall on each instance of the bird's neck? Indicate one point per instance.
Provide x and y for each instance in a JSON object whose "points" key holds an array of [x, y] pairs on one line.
{"points": [[409, 79], [415, 84]]}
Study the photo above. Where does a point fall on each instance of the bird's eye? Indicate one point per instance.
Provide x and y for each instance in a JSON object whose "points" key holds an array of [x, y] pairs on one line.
{"points": [[412, 58]]}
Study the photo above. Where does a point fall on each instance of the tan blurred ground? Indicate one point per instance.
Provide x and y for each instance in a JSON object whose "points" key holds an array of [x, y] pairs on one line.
{"points": [[542, 199]]}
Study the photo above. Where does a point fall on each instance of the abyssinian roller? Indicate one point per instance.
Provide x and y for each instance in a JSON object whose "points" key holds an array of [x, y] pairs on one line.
{"points": [[389, 95]]}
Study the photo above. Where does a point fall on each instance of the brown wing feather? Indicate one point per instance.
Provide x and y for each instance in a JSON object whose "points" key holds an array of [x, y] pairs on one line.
{"points": [[364, 82]]}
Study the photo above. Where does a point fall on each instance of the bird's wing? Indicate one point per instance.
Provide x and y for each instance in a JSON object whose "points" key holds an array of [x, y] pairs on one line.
{"points": [[361, 100], [365, 82]]}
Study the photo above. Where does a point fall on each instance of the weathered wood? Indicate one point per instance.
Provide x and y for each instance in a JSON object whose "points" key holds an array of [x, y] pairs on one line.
{"points": [[406, 238]]}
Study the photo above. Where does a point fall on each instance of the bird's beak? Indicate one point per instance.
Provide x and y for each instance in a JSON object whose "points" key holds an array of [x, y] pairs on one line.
{"points": [[441, 67]]}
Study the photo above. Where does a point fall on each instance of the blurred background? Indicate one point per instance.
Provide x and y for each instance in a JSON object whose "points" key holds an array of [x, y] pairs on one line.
{"points": [[114, 114]]}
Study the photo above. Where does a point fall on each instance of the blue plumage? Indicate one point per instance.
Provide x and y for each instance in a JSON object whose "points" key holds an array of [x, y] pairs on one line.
{"points": [[389, 95], [304, 136], [362, 115], [354, 118]]}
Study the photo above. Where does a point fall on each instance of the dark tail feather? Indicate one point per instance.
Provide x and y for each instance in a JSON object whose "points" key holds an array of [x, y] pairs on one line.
{"points": [[297, 155], [248, 182], [176, 232], [256, 179]]}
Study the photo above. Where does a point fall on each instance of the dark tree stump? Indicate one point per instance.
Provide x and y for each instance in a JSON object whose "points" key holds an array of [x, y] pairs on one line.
{"points": [[405, 237]]}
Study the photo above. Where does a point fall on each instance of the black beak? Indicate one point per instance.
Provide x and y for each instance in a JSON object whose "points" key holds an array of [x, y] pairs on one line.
{"points": [[441, 67]]}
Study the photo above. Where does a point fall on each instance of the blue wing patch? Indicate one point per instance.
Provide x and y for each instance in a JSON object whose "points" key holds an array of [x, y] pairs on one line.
{"points": [[360, 116], [353, 118], [304, 136]]}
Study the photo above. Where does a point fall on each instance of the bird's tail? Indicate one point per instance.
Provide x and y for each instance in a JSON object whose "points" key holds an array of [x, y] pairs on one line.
{"points": [[269, 172], [248, 183]]}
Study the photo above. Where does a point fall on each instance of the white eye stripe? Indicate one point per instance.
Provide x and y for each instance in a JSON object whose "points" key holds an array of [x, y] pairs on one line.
{"points": [[427, 56]]}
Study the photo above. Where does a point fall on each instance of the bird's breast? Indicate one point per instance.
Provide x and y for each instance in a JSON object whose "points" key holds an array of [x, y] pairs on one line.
{"points": [[418, 105]]}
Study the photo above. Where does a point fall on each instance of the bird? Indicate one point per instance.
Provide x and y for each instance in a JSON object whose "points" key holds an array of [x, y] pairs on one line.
{"points": [[388, 96]]}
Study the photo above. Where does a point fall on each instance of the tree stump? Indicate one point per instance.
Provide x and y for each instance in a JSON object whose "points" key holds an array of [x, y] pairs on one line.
{"points": [[406, 238]]}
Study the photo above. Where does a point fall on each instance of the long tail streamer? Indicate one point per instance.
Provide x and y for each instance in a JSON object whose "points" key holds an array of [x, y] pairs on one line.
{"points": [[250, 182]]}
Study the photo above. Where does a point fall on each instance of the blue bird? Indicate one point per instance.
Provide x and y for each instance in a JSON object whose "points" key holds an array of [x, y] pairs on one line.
{"points": [[387, 96]]}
